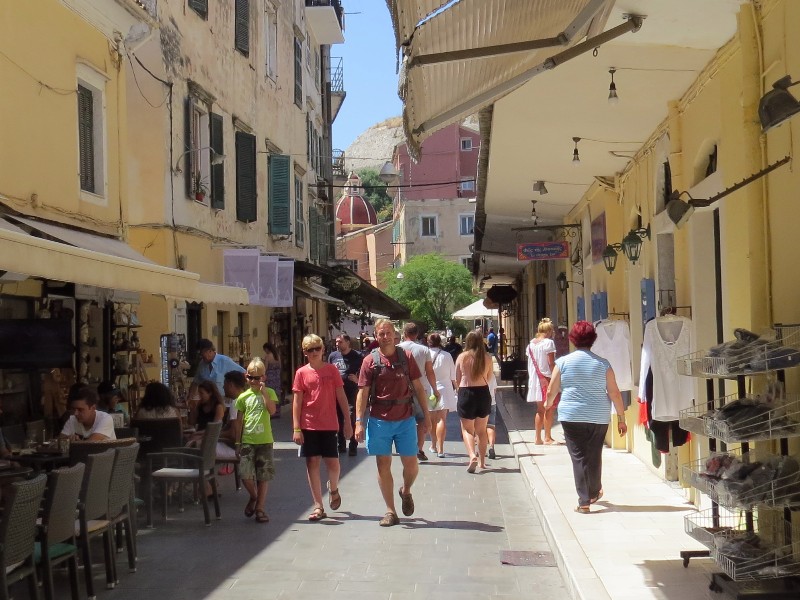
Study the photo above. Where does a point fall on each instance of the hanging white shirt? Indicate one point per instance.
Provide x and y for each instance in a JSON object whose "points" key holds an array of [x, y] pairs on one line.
{"points": [[665, 340], [614, 344], [540, 349]]}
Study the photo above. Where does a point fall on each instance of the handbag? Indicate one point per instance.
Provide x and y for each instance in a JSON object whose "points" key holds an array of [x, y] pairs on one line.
{"points": [[544, 380]]}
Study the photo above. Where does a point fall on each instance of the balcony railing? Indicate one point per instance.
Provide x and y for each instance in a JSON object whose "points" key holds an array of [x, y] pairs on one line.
{"points": [[336, 74], [338, 163], [336, 5]]}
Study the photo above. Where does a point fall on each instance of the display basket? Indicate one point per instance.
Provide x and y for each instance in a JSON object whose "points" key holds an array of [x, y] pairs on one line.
{"points": [[771, 557], [704, 526], [780, 419], [780, 491], [779, 348]]}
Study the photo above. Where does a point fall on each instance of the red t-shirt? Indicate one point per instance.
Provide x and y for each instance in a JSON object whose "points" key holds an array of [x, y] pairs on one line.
{"points": [[392, 384], [318, 387]]}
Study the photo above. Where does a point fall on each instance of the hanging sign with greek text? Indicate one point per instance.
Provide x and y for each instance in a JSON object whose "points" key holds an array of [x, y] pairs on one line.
{"points": [[542, 250]]}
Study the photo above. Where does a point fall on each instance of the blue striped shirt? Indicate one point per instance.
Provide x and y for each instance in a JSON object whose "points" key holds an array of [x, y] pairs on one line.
{"points": [[584, 398]]}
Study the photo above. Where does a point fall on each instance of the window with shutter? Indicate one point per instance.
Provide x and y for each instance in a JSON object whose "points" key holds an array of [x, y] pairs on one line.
{"points": [[298, 73], [86, 137], [217, 171], [246, 208], [200, 7], [242, 26], [279, 194], [313, 239], [299, 213]]}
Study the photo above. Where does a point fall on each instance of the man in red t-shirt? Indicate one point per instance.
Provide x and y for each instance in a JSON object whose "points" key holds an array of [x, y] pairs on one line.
{"points": [[317, 388], [391, 417]]}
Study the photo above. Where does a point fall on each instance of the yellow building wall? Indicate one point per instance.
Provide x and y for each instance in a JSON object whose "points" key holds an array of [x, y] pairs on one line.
{"points": [[43, 43]]}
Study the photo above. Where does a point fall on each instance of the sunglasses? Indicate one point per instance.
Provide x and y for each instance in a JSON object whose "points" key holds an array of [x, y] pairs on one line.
{"points": [[314, 349], [253, 377]]}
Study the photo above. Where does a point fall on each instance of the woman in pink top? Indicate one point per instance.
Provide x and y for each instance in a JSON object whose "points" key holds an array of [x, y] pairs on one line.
{"points": [[317, 388], [473, 370]]}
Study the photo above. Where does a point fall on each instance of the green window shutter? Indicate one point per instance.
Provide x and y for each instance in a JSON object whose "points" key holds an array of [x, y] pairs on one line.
{"points": [[242, 27], [217, 171], [199, 6], [189, 156], [86, 137], [312, 233], [280, 194], [246, 208]]}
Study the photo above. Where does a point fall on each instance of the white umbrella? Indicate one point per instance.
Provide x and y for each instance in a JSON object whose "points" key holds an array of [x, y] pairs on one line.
{"points": [[476, 310]]}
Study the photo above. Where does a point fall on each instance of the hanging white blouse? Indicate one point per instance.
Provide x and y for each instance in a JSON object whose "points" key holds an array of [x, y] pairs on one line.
{"points": [[614, 344], [666, 339]]}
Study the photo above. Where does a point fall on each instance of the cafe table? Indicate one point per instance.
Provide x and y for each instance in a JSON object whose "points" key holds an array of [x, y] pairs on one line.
{"points": [[42, 459], [9, 472]]}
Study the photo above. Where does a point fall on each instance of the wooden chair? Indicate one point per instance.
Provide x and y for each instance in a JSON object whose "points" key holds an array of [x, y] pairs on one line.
{"points": [[121, 501], [21, 501], [194, 466], [79, 451], [93, 519], [57, 541]]}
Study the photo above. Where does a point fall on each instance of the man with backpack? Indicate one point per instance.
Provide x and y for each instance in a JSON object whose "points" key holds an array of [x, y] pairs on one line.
{"points": [[388, 383]]}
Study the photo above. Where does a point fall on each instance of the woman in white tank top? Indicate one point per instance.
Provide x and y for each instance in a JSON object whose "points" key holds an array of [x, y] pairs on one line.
{"points": [[541, 353]]}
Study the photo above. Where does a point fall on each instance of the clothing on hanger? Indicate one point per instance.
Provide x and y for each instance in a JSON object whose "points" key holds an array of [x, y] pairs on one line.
{"points": [[665, 340], [614, 344]]}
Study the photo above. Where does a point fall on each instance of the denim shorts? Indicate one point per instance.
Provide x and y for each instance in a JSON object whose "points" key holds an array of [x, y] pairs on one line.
{"points": [[492, 416], [381, 434]]}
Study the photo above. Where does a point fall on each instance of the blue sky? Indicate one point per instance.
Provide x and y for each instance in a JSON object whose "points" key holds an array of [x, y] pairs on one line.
{"points": [[369, 70]]}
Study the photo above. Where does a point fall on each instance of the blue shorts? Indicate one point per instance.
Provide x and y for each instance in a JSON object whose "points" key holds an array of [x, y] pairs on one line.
{"points": [[492, 416], [381, 434]]}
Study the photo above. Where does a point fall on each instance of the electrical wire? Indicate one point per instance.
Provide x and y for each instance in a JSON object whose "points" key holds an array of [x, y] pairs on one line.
{"points": [[55, 90], [141, 93]]}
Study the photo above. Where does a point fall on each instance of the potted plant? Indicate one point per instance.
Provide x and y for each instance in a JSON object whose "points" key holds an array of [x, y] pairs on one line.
{"points": [[199, 187]]}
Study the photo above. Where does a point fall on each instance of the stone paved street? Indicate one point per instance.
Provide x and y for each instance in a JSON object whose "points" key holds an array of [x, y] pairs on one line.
{"points": [[449, 549]]}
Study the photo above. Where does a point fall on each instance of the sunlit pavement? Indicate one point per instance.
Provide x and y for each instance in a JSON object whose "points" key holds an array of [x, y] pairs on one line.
{"points": [[450, 548]]}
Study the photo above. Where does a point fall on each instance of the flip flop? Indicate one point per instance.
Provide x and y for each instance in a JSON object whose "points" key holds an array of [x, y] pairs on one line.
{"points": [[473, 464], [317, 514], [335, 499], [261, 516], [250, 509]]}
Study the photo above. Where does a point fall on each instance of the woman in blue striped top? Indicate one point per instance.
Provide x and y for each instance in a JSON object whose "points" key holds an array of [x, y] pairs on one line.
{"points": [[588, 387]]}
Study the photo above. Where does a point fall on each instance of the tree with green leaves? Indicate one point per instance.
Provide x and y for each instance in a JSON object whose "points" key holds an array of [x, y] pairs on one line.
{"points": [[377, 193], [433, 289]]}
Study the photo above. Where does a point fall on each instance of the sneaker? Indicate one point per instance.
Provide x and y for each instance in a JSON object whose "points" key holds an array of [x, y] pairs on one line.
{"points": [[492, 455], [421, 455], [441, 455]]}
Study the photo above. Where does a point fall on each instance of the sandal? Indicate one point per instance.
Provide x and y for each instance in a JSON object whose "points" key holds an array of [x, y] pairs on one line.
{"points": [[261, 516], [473, 464], [250, 509], [389, 519], [596, 498], [584, 510], [407, 503], [317, 514], [335, 498]]}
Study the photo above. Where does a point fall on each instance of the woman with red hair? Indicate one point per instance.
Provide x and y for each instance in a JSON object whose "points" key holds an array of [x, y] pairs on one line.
{"points": [[588, 387]]}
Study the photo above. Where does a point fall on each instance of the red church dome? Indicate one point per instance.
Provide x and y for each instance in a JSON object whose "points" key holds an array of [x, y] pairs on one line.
{"points": [[353, 210]]}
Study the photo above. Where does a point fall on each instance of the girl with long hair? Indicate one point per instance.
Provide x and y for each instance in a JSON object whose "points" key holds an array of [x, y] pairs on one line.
{"points": [[541, 353], [473, 370]]}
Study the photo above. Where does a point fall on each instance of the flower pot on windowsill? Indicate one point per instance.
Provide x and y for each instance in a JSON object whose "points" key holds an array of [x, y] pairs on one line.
{"points": [[199, 196]]}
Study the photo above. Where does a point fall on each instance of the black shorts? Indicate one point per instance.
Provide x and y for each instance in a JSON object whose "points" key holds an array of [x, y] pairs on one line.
{"points": [[474, 402], [319, 443]]}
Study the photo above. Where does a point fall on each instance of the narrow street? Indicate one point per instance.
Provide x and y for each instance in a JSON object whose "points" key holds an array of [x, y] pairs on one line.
{"points": [[449, 549]]}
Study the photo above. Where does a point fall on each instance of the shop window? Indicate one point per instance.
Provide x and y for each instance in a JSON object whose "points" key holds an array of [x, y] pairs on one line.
{"points": [[242, 26], [246, 193]]}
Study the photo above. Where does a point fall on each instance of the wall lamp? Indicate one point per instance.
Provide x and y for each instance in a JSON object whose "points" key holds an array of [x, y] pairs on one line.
{"points": [[613, 99], [576, 158], [540, 187], [778, 104], [631, 247], [216, 157], [562, 283], [679, 211]]}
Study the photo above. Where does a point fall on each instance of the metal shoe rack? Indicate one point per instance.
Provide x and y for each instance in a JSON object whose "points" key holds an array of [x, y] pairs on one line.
{"points": [[752, 531]]}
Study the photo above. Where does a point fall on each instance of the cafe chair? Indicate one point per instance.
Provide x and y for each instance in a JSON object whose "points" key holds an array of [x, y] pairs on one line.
{"points": [[158, 434], [93, 519], [57, 543], [126, 432], [194, 466], [235, 461], [21, 501], [79, 451], [121, 501]]}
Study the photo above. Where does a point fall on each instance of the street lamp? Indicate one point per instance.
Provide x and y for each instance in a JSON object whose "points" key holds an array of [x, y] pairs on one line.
{"points": [[216, 157], [562, 283]]}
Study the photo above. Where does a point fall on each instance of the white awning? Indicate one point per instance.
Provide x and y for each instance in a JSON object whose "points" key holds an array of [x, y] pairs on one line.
{"points": [[470, 54], [309, 291], [216, 293], [100, 266], [476, 310]]}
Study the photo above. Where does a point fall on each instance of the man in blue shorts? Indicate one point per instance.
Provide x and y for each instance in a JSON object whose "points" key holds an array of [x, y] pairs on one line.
{"points": [[388, 390]]}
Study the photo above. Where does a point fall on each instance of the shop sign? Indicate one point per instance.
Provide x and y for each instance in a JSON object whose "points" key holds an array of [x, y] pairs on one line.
{"points": [[542, 250]]}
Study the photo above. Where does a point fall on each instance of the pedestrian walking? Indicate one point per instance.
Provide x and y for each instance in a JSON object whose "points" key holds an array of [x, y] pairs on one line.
{"points": [[422, 356], [491, 342], [254, 405], [588, 388], [388, 382], [274, 374], [444, 369], [541, 354], [348, 362], [473, 369], [318, 389]]}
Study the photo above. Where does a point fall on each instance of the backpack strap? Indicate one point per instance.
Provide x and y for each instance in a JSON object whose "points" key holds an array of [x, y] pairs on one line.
{"points": [[377, 366]]}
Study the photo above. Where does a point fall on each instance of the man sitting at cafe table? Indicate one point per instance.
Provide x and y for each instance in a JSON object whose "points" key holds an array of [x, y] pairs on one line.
{"points": [[86, 422]]}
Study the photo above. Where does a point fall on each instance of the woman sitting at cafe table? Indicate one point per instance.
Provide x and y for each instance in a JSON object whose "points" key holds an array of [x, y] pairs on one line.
{"points": [[86, 422], [157, 403]]}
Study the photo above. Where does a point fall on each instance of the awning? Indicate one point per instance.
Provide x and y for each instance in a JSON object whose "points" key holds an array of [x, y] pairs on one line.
{"points": [[459, 59], [103, 265], [216, 293], [309, 292], [476, 310]]}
